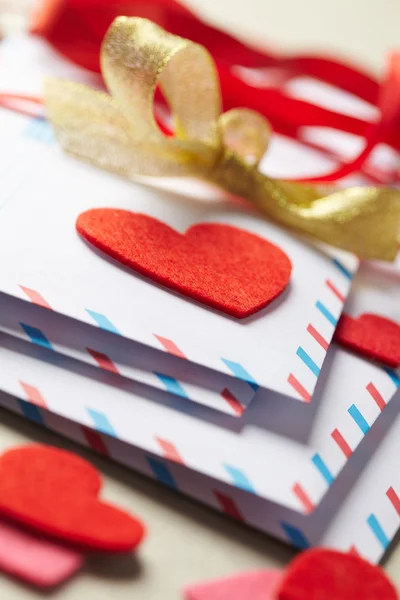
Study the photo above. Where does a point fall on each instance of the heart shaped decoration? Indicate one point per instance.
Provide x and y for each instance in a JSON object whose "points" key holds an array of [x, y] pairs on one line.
{"points": [[56, 493], [372, 336], [219, 265], [35, 559], [257, 585], [329, 575]]}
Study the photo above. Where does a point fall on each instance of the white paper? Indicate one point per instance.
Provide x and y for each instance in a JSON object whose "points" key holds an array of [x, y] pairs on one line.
{"points": [[117, 354], [155, 424], [228, 449], [254, 465], [272, 349]]}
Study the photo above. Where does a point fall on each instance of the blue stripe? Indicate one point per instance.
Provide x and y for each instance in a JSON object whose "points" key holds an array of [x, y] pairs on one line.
{"points": [[240, 479], [296, 537], [102, 321], [48, 134], [241, 373], [377, 530], [39, 129], [162, 473], [172, 385], [36, 336], [342, 268], [394, 377], [308, 361], [101, 422], [31, 412], [323, 469], [327, 314], [358, 418], [30, 130]]}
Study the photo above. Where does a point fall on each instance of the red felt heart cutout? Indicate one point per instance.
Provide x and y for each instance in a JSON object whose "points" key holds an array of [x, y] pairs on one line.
{"points": [[56, 492], [222, 266], [372, 336], [257, 585], [328, 575]]}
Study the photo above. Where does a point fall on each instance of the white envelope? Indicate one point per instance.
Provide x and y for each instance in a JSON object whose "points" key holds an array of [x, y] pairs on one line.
{"points": [[283, 467], [249, 468], [281, 348], [119, 355], [364, 520], [272, 349]]}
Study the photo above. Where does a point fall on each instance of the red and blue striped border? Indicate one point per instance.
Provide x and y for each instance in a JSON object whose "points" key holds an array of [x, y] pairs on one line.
{"points": [[101, 429], [359, 419], [305, 357], [104, 362]]}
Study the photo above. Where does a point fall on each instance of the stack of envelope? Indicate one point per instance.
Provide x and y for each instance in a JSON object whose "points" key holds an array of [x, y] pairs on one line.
{"points": [[264, 419]]}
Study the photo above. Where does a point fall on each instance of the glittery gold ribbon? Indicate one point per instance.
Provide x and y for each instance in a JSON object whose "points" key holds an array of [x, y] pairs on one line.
{"points": [[118, 132]]}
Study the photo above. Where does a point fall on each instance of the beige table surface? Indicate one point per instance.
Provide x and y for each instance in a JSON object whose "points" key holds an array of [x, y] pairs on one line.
{"points": [[187, 542]]}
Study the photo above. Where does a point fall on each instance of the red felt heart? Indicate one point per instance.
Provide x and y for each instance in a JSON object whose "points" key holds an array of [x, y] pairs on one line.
{"points": [[328, 575], [56, 492], [257, 585], [372, 336], [222, 266]]}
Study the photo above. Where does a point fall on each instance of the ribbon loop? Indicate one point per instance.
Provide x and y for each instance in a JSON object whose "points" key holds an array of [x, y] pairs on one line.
{"points": [[136, 56], [118, 132], [246, 133]]}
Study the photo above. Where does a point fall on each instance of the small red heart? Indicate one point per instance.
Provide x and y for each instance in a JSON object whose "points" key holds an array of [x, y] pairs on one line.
{"points": [[372, 336], [222, 266], [328, 575], [56, 492], [256, 585]]}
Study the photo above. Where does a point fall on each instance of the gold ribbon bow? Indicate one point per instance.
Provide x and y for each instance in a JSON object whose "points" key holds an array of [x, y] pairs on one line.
{"points": [[118, 132]]}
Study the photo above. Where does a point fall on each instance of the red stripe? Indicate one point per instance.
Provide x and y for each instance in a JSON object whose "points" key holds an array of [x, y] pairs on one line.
{"points": [[229, 506], [170, 451], [232, 401], [334, 289], [394, 500], [318, 337], [170, 346], [103, 361], [33, 395], [341, 442], [376, 396], [296, 385], [35, 297], [24, 105], [303, 497], [95, 441]]}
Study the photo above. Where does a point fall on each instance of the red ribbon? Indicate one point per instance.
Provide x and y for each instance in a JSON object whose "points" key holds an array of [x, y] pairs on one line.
{"points": [[77, 27]]}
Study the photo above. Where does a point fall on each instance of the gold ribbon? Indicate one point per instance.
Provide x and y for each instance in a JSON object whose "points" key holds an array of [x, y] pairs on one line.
{"points": [[118, 132]]}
